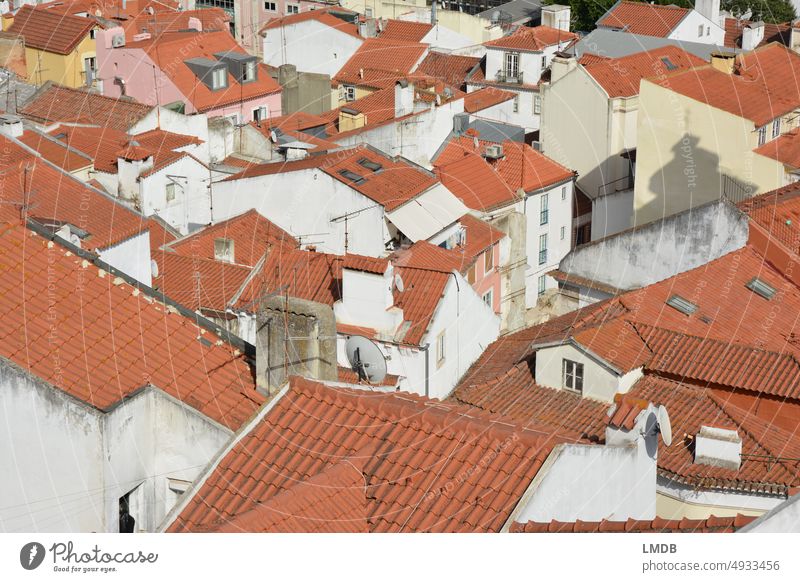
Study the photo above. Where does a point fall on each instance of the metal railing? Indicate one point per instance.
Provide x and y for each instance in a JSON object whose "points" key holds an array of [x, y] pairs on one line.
{"points": [[509, 77]]}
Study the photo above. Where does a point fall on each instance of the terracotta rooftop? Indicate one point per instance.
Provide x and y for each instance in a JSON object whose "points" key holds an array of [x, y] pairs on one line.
{"points": [[387, 59], [452, 69], [643, 18], [321, 15], [55, 103], [411, 447], [332, 501], [658, 525], [784, 149], [198, 283], [50, 31], [250, 232], [162, 50], [485, 98], [422, 291], [396, 182], [777, 212], [348, 376], [111, 339], [773, 32], [56, 152], [161, 22], [474, 181], [535, 38], [51, 194], [620, 77], [764, 85], [406, 30], [520, 166]]}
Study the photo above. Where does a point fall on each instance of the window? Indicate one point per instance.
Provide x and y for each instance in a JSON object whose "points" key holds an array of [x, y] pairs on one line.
{"points": [[537, 104], [541, 285], [700, 30], [269, 6], [488, 260], [542, 249], [516, 103], [544, 62], [761, 287], [223, 250], [219, 78], [563, 192], [368, 12], [544, 211], [683, 305], [708, 31], [234, 119], [260, 113], [471, 275], [170, 192], [89, 69], [512, 65], [488, 298], [292, 9], [440, 345], [563, 232], [93, 33], [349, 93], [573, 375], [776, 128], [250, 72], [762, 135]]}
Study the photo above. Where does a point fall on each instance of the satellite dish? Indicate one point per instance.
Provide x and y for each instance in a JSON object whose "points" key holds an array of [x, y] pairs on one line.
{"points": [[154, 269], [365, 359], [398, 283], [664, 424]]}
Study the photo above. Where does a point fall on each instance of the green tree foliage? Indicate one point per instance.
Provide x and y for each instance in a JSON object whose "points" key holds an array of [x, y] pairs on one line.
{"points": [[586, 12]]}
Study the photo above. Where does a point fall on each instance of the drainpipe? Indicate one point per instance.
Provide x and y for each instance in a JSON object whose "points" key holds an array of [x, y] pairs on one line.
{"points": [[427, 368]]}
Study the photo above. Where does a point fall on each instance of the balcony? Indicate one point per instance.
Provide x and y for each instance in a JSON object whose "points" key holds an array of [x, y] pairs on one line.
{"points": [[512, 77]]}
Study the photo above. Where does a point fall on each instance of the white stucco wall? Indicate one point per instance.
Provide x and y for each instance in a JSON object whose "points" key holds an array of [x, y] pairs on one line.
{"points": [[688, 30], [303, 203], [311, 46], [612, 213], [132, 257], [192, 204], [599, 382], [442, 37]]}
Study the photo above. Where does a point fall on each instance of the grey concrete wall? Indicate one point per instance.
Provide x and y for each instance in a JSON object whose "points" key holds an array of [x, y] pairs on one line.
{"points": [[294, 337], [661, 249], [308, 92]]}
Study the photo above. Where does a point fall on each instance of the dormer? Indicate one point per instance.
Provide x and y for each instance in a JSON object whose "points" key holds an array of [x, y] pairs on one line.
{"points": [[368, 286], [213, 74], [242, 66]]}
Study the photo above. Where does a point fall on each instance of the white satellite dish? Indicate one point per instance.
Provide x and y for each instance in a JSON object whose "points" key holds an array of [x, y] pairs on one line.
{"points": [[398, 283], [365, 358], [154, 269], [664, 424]]}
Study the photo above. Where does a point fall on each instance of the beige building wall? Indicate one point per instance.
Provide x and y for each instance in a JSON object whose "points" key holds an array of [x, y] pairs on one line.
{"points": [[684, 149], [668, 507]]}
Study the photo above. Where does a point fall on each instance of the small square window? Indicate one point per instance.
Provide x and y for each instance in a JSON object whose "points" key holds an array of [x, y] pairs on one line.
{"points": [[292, 9], [269, 6], [170, 192], [488, 298], [223, 250], [572, 375]]}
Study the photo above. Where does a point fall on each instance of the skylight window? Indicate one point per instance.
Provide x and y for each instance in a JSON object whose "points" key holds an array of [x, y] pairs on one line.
{"points": [[370, 165], [352, 176], [683, 305], [761, 287], [669, 64]]}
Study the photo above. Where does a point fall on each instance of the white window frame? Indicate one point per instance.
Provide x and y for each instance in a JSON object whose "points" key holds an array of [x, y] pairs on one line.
{"points": [[537, 104], [776, 127], [563, 232], [563, 192], [349, 92], [488, 298], [227, 255], [292, 9], [260, 113], [762, 135], [441, 348], [544, 209], [170, 191], [541, 285], [542, 248], [515, 105], [270, 7], [511, 65], [219, 78], [250, 67], [572, 375]]}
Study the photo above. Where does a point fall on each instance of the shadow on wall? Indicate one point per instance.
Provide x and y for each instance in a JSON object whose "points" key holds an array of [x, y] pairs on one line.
{"points": [[691, 178]]}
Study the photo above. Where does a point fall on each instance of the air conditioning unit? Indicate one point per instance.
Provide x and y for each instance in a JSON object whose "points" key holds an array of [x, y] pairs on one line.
{"points": [[117, 40], [493, 152]]}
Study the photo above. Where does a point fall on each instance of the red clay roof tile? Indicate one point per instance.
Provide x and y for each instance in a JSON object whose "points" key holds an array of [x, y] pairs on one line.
{"points": [[711, 525], [385, 59], [418, 448], [643, 18], [406, 30], [535, 38], [50, 31], [452, 69], [322, 15]]}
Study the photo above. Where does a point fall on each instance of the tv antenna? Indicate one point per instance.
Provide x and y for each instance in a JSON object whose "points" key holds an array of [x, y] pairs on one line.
{"points": [[366, 359]]}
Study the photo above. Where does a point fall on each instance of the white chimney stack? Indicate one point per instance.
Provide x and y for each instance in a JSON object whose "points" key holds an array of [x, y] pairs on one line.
{"points": [[718, 447], [752, 35]]}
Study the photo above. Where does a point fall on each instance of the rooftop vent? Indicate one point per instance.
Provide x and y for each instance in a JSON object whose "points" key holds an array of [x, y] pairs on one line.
{"points": [[493, 152], [352, 176], [761, 287], [370, 165], [718, 447], [683, 305], [669, 64]]}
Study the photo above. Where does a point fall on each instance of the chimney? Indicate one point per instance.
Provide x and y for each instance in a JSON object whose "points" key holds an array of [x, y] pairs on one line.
{"points": [[718, 447], [709, 9], [794, 39], [561, 65], [403, 98], [723, 62], [434, 18], [752, 35], [556, 16], [11, 126]]}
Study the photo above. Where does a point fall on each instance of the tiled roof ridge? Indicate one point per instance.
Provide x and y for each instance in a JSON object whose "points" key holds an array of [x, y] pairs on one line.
{"points": [[658, 524], [415, 408]]}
